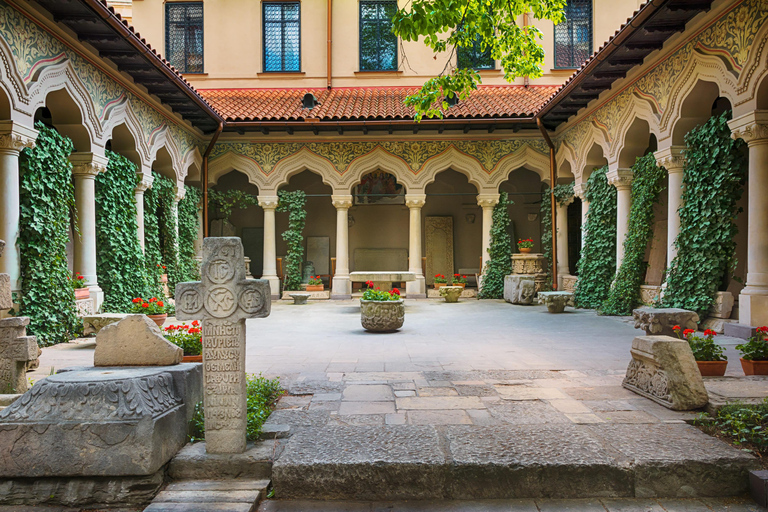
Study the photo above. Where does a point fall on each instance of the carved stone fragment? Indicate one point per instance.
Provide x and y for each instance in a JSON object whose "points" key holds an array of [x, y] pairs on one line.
{"points": [[519, 288], [134, 341], [555, 301], [451, 293], [659, 322]]}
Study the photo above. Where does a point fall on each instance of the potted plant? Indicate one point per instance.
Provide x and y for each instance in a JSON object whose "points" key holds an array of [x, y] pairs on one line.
{"points": [[382, 311], [459, 280], [163, 275], [525, 245], [708, 354], [315, 284], [754, 353], [189, 338], [154, 308], [81, 289], [439, 281]]}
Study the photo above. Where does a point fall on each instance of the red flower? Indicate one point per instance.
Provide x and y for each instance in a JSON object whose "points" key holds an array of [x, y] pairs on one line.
{"points": [[136, 300], [710, 332], [153, 299], [676, 328], [195, 323], [145, 305], [163, 267], [160, 303], [688, 332], [395, 291], [463, 277], [763, 329]]}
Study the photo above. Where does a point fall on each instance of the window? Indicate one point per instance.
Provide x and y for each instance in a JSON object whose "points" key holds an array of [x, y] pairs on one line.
{"points": [[282, 39], [474, 57], [378, 45], [573, 35], [184, 36]]}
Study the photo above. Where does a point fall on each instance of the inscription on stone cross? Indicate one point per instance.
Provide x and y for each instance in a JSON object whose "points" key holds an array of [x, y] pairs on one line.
{"points": [[223, 300]]}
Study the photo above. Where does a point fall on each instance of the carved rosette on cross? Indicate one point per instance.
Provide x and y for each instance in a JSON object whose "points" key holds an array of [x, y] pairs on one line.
{"points": [[223, 300]]}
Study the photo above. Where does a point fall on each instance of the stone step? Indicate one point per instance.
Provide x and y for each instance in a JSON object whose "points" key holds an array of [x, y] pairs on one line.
{"points": [[562, 461], [193, 463], [240, 495]]}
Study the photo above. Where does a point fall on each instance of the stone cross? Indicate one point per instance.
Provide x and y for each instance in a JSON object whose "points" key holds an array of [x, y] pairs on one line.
{"points": [[222, 300]]}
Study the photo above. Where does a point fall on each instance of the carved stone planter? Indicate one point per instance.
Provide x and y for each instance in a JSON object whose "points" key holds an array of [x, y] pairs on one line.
{"points": [[451, 293], [382, 316]]}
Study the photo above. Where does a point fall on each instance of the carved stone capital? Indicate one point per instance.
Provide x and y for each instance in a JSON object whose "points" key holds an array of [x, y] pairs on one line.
{"points": [[752, 127], [179, 193], [620, 178], [580, 191], [342, 202], [671, 158], [87, 165], [415, 200], [16, 137], [565, 203], [268, 202], [487, 200], [144, 183]]}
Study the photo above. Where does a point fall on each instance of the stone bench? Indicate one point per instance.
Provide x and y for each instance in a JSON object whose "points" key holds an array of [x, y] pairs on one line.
{"points": [[555, 301], [300, 297]]}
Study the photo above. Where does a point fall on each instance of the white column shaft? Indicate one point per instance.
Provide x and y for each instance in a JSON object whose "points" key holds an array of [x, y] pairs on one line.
{"points": [[584, 212], [562, 240], [342, 242], [9, 220], [140, 217], [85, 243], [623, 205], [270, 251], [674, 202], [757, 232], [414, 245], [487, 223]]}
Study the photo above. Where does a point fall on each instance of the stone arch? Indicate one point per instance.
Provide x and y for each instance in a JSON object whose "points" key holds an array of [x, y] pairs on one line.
{"points": [[193, 163], [67, 118], [454, 159], [761, 96], [232, 161], [159, 141], [378, 159], [163, 164], [122, 114], [639, 109], [695, 109], [595, 148], [124, 142], [635, 143], [525, 157], [302, 160], [565, 155]]}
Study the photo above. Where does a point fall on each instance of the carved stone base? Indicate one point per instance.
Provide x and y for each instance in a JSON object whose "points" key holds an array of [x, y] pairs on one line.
{"points": [[659, 322], [649, 294], [382, 316], [519, 289], [451, 293], [84, 307], [723, 305], [569, 283], [555, 301]]}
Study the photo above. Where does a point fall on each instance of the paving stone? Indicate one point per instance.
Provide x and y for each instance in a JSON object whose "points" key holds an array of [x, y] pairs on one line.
{"points": [[609, 405], [733, 504], [403, 386], [298, 418], [324, 406], [449, 417], [362, 393], [383, 376], [274, 431], [625, 505], [193, 463], [440, 403], [218, 485], [348, 408], [628, 417], [570, 406], [357, 420], [200, 507], [293, 402], [600, 393], [525, 412], [683, 506], [486, 390], [395, 419], [316, 386], [529, 393], [439, 383], [438, 392], [468, 383], [589, 505], [405, 393], [326, 397], [207, 496], [584, 419], [482, 417]]}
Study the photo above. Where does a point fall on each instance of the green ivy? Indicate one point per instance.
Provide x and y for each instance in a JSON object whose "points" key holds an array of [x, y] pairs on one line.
{"points": [[119, 259], [160, 241], [47, 202], [500, 263], [153, 257], [225, 202], [597, 265], [293, 203], [647, 184], [189, 269], [713, 181], [563, 193]]}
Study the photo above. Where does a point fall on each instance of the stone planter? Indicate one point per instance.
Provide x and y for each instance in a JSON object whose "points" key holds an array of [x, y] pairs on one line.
{"points": [[82, 293], [315, 287], [712, 368], [382, 316], [754, 367], [451, 293], [158, 319]]}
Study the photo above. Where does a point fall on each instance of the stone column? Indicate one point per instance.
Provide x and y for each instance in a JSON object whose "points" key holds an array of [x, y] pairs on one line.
{"points": [[622, 180], [487, 202], [85, 167], [415, 289], [341, 287], [178, 196], [673, 161], [269, 272], [563, 269], [141, 187], [13, 138], [753, 300], [580, 191]]}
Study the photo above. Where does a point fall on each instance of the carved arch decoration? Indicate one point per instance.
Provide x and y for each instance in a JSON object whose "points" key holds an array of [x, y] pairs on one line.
{"points": [[377, 159], [454, 159], [565, 154], [638, 108], [303, 160], [124, 114], [234, 161], [160, 139], [193, 163], [755, 70], [525, 157]]}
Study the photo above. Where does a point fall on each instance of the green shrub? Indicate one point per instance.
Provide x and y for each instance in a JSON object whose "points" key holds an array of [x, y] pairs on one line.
{"points": [[742, 424], [500, 263], [293, 203]]}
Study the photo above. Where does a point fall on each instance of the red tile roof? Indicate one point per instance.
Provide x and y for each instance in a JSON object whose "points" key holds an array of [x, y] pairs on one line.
{"points": [[369, 103]]}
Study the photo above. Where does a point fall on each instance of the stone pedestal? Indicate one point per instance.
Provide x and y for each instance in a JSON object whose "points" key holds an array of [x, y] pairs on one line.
{"points": [[534, 264], [555, 301], [664, 370], [723, 305], [568, 283], [659, 322], [299, 297], [451, 293], [519, 288]]}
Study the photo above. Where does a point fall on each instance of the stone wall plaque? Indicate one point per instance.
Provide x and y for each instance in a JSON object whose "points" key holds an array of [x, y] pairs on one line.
{"points": [[222, 301], [438, 235], [319, 253]]}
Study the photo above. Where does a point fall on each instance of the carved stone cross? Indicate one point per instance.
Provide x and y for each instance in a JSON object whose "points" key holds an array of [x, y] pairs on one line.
{"points": [[223, 300]]}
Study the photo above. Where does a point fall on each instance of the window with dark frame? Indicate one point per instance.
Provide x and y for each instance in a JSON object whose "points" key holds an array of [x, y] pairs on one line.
{"points": [[573, 35], [184, 36], [378, 45], [475, 57], [282, 36]]}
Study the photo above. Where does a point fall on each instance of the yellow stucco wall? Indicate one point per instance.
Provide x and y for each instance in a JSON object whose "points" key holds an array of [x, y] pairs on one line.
{"points": [[233, 45]]}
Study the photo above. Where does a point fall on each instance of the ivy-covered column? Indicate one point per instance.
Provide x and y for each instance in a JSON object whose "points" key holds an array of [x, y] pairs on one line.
{"points": [[673, 161], [177, 197], [753, 300], [563, 268], [622, 180], [144, 183], [13, 138], [269, 272], [85, 167], [487, 202], [580, 191], [341, 287], [415, 289]]}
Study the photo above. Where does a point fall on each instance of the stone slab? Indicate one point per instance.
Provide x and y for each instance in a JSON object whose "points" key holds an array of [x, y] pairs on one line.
{"points": [[439, 403], [350, 408], [134, 341], [103, 422], [201, 507], [367, 393], [92, 324], [739, 330], [239, 484], [192, 462], [324, 295], [5, 292], [207, 496], [449, 417]]}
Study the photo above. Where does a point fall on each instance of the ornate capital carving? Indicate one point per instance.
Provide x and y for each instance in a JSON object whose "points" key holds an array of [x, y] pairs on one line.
{"points": [[752, 127], [342, 202], [415, 200], [268, 202], [620, 178], [179, 195], [580, 191], [487, 200], [16, 138], [566, 203], [671, 158], [87, 165], [144, 183]]}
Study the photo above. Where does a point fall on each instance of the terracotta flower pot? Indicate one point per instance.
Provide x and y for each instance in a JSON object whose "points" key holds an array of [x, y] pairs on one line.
{"points": [[158, 319], [712, 368], [192, 359], [754, 367], [315, 287], [439, 285], [525, 249], [82, 293], [459, 284]]}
